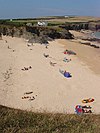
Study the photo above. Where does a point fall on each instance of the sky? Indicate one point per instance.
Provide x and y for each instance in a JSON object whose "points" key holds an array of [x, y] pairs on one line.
{"points": [[39, 8]]}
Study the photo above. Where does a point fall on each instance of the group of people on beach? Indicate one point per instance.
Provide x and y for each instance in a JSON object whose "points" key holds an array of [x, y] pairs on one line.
{"points": [[29, 96], [65, 73], [26, 68], [79, 109]]}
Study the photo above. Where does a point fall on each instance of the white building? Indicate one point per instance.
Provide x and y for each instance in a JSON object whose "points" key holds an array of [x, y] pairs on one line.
{"points": [[40, 23], [66, 16]]}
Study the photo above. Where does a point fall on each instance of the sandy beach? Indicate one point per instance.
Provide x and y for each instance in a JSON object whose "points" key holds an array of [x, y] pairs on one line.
{"points": [[50, 90]]}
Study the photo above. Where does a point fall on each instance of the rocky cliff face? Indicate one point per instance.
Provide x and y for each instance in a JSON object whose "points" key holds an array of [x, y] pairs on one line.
{"points": [[44, 33], [14, 31], [36, 34], [81, 25]]}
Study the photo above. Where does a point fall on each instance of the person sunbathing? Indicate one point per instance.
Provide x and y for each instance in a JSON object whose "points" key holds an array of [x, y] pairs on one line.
{"points": [[46, 55], [25, 97], [30, 92], [66, 60], [46, 47], [30, 67], [26, 68], [52, 64], [87, 111], [9, 47]]}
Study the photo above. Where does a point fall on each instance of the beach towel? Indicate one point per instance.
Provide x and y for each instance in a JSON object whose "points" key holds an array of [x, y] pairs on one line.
{"points": [[65, 74], [65, 59], [65, 52], [61, 71], [88, 100]]}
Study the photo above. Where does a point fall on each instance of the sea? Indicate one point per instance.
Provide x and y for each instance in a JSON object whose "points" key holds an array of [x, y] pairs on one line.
{"points": [[96, 34]]}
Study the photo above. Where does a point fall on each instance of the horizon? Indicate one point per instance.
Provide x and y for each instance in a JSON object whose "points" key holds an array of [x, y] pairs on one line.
{"points": [[45, 17], [12, 9]]}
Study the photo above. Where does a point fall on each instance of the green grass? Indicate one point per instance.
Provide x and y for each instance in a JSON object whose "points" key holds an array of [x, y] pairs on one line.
{"points": [[54, 23], [17, 121]]}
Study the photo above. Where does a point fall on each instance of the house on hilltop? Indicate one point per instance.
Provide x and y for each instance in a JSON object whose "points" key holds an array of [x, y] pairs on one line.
{"points": [[40, 23]]}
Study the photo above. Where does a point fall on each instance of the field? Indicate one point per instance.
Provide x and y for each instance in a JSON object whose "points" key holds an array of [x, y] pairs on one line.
{"points": [[61, 19], [53, 21]]}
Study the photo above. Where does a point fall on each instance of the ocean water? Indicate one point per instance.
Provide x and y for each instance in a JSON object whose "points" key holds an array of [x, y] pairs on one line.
{"points": [[97, 34]]}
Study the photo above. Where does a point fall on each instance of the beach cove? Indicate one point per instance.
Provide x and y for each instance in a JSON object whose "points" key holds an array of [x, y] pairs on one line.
{"points": [[51, 91]]}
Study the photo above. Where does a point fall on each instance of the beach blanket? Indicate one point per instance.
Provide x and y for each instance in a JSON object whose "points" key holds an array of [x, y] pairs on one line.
{"points": [[61, 71], [65, 74], [89, 100]]}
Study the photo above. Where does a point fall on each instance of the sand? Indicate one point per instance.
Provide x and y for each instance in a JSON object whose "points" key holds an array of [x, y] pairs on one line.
{"points": [[52, 92]]}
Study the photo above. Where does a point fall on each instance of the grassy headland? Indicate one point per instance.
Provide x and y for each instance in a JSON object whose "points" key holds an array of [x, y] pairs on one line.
{"points": [[17, 121]]}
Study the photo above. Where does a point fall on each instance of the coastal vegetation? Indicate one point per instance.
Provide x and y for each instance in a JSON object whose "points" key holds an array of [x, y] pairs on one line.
{"points": [[17, 121]]}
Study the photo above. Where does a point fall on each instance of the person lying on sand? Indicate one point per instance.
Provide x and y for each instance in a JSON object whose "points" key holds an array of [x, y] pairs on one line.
{"points": [[46, 46], [86, 111], [26, 68], [13, 50], [86, 107], [30, 92], [6, 41], [52, 64], [29, 45], [30, 67], [66, 60], [25, 97], [65, 73], [32, 98], [46, 55], [69, 52], [9, 47]]}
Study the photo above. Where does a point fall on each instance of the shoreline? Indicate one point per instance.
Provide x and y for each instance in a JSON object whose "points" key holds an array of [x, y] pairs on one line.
{"points": [[93, 35]]}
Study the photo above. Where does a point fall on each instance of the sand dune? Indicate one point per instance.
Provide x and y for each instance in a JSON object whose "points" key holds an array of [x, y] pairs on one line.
{"points": [[52, 92]]}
